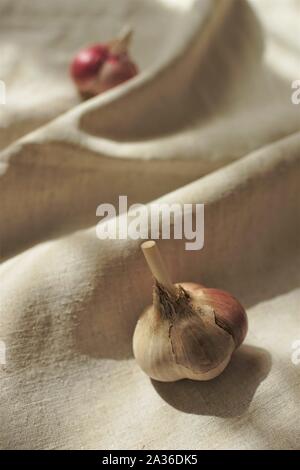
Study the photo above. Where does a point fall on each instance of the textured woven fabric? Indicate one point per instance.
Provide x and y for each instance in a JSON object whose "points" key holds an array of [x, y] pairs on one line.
{"points": [[208, 120]]}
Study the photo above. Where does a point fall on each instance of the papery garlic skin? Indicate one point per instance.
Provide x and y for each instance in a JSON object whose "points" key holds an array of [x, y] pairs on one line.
{"points": [[228, 310], [181, 337]]}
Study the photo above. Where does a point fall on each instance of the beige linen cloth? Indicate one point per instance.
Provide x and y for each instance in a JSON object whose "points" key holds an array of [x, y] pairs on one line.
{"points": [[208, 120]]}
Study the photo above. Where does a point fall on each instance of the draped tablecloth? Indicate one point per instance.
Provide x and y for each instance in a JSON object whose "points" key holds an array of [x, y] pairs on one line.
{"points": [[208, 120]]}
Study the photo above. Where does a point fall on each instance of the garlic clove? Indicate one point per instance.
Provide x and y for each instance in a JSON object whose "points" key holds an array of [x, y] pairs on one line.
{"points": [[198, 343], [229, 313], [151, 350]]}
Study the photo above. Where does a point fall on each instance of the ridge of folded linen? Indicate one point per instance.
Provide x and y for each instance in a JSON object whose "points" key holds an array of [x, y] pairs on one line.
{"points": [[205, 122], [35, 61], [69, 306]]}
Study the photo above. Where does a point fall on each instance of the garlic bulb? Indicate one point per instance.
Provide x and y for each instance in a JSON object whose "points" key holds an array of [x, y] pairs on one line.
{"points": [[190, 331]]}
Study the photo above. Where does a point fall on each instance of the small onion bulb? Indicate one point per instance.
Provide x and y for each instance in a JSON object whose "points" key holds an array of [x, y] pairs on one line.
{"points": [[99, 67]]}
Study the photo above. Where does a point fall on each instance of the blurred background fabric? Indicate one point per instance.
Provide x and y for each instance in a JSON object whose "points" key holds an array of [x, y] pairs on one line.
{"points": [[208, 120]]}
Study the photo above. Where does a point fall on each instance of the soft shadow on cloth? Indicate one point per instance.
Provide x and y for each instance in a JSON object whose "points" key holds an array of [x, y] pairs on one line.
{"points": [[249, 366]]}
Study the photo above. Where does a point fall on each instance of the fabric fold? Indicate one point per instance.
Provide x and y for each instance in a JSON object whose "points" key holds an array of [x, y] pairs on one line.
{"points": [[208, 121], [69, 307]]}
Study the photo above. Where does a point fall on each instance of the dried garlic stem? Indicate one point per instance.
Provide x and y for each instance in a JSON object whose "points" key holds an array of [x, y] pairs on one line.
{"points": [[157, 266], [170, 306]]}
